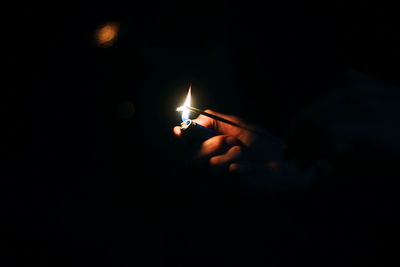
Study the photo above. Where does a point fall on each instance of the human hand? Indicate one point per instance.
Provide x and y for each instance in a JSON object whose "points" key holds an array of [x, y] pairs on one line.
{"points": [[245, 150]]}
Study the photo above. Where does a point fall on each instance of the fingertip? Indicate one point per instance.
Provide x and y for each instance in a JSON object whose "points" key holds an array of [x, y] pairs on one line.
{"points": [[177, 131], [237, 151], [240, 168], [214, 161], [234, 167]]}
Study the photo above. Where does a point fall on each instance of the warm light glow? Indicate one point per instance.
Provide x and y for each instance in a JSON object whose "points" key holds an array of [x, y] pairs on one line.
{"points": [[106, 34], [186, 112]]}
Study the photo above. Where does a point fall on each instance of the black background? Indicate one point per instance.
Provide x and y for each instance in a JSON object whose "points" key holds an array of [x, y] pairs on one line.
{"points": [[81, 184]]}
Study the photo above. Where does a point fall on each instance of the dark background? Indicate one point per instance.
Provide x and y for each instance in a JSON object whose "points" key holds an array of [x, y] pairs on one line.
{"points": [[85, 182]]}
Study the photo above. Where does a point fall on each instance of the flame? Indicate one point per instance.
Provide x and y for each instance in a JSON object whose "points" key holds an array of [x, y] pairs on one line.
{"points": [[186, 112]]}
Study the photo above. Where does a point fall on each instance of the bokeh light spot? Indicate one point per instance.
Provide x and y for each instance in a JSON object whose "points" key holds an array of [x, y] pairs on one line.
{"points": [[106, 35]]}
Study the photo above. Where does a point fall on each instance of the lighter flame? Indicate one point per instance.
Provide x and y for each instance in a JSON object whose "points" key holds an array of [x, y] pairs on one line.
{"points": [[185, 111]]}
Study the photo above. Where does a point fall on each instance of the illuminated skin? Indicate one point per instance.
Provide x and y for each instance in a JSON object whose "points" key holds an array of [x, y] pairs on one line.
{"points": [[251, 152], [238, 149]]}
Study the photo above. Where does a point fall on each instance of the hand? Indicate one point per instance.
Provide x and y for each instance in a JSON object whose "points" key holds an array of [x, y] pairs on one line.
{"points": [[248, 150]]}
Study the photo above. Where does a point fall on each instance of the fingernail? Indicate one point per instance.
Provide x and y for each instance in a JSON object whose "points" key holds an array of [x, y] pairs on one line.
{"points": [[231, 141]]}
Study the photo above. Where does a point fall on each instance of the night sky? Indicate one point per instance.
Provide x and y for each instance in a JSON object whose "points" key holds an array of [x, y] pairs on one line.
{"points": [[91, 173]]}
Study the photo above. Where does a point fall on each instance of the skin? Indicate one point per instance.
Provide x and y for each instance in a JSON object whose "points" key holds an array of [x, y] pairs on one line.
{"points": [[249, 150]]}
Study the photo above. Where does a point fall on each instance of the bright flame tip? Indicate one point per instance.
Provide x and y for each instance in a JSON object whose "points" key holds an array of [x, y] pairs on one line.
{"points": [[186, 112]]}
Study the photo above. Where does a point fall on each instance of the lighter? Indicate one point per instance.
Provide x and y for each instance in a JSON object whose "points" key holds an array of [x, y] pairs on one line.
{"points": [[191, 130], [195, 132]]}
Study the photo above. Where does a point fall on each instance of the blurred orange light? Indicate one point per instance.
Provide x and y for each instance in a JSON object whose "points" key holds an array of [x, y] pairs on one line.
{"points": [[106, 34]]}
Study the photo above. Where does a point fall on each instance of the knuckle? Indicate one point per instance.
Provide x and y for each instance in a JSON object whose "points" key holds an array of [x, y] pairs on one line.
{"points": [[220, 142], [231, 141]]}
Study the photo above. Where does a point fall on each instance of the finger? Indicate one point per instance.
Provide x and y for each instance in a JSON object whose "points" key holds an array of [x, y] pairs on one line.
{"points": [[241, 167], [244, 167], [219, 126], [216, 145], [233, 154], [177, 131]]}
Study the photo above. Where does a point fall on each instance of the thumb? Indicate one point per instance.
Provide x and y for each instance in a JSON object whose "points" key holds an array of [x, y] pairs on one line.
{"points": [[220, 126]]}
